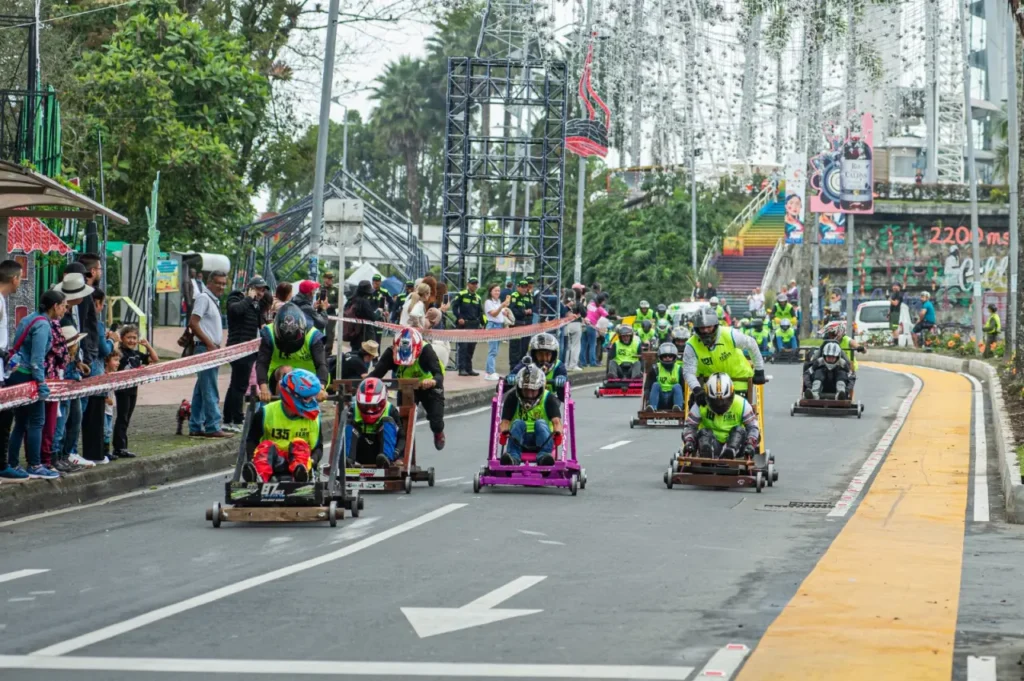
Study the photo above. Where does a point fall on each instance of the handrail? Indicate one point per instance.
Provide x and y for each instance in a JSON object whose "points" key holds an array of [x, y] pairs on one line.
{"points": [[712, 250], [773, 264], [749, 213]]}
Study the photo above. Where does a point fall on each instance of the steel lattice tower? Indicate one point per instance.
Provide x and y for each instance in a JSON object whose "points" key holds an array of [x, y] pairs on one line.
{"points": [[511, 80]]}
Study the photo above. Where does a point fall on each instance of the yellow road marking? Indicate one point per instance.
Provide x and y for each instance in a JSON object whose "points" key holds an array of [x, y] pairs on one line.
{"points": [[882, 602]]}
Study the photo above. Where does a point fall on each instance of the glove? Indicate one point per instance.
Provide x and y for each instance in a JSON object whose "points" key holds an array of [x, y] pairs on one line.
{"points": [[557, 439], [503, 438], [510, 380], [689, 446], [44, 390], [559, 381], [759, 377], [861, 349], [700, 397]]}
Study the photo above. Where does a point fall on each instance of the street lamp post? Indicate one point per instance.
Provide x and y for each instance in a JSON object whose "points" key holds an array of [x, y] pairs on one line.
{"points": [[315, 227]]}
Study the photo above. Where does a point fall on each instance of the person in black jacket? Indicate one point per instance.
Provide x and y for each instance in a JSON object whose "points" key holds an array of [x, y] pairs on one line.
{"points": [[304, 299], [245, 317], [469, 314], [362, 306]]}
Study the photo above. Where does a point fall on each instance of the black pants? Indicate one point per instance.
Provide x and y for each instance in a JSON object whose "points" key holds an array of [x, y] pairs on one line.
{"points": [[828, 379], [465, 356], [234, 413], [6, 422], [125, 408], [515, 350], [92, 428], [709, 447], [433, 402]]}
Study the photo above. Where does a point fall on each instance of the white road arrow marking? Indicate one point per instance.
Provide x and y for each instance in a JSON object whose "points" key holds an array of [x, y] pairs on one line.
{"points": [[433, 621]]}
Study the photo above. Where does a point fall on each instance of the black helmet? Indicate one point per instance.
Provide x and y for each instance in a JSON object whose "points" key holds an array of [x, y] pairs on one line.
{"points": [[662, 309], [290, 328], [646, 325]]}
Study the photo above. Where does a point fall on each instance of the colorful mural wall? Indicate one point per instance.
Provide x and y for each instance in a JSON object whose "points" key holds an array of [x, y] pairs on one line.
{"points": [[923, 253]]}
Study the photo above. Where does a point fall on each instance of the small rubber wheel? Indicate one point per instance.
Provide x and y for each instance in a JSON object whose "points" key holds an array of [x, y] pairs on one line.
{"points": [[215, 514], [430, 477], [792, 411], [573, 485], [476, 483], [597, 393], [209, 514], [362, 502], [668, 478], [332, 513], [583, 478], [632, 422], [408, 484], [770, 475], [758, 481]]}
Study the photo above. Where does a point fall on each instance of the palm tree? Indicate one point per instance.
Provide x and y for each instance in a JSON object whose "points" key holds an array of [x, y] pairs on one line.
{"points": [[401, 113], [1001, 130]]}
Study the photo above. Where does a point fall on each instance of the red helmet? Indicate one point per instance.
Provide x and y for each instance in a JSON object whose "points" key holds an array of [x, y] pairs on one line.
{"points": [[371, 398], [408, 346]]}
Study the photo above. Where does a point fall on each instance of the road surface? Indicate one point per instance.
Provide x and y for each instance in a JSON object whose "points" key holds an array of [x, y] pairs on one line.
{"points": [[857, 565]]}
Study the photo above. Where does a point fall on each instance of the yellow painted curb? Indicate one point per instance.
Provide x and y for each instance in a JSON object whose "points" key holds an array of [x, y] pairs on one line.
{"points": [[881, 604]]}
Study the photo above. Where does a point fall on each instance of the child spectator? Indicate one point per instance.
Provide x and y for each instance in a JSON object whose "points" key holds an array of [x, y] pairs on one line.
{"points": [[131, 358], [112, 361]]}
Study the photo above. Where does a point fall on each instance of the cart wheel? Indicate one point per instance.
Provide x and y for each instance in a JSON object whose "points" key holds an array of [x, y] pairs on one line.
{"points": [[792, 410], [668, 478], [214, 514], [476, 483], [583, 478], [597, 393], [430, 477], [362, 502], [573, 485], [770, 475], [861, 408], [758, 481], [632, 422], [775, 473], [357, 505], [408, 484], [332, 513], [209, 514]]}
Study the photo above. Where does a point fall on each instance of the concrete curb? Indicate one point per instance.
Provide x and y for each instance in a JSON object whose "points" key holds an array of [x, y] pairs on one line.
{"points": [[102, 482], [1009, 467]]}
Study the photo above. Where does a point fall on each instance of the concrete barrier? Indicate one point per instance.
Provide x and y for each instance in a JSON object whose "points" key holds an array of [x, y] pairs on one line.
{"points": [[1009, 466]]}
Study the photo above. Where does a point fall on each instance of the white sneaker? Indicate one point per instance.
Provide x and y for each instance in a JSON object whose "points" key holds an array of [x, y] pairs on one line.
{"points": [[104, 460], [79, 461], [231, 428], [491, 377]]}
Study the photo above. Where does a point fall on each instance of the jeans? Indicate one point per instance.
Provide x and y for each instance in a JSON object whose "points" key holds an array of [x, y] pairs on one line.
{"points": [[573, 334], [359, 448], [663, 400], [588, 358], [492, 348], [62, 421], [539, 440], [205, 416], [68, 433], [108, 428], [792, 344], [28, 427]]}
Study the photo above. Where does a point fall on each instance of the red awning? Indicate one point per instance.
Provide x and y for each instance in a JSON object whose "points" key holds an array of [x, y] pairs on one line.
{"points": [[29, 234]]}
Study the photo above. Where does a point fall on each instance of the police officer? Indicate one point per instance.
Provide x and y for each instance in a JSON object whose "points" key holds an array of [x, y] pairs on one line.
{"points": [[521, 305], [381, 298], [399, 301], [469, 314]]}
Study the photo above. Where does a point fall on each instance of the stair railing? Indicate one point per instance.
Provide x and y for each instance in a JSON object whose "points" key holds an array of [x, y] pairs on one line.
{"points": [[773, 264], [751, 211], [712, 251]]}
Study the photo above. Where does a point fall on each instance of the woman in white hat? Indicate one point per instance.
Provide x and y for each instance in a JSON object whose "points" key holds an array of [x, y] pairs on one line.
{"points": [[74, 288]]}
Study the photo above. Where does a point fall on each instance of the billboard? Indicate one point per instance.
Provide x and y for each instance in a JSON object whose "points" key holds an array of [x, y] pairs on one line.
{"points": [[796, 194], [842, 176]]}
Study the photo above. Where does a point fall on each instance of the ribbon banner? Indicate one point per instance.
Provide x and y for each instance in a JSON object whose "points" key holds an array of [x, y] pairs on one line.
{"points": [[27, 393]]}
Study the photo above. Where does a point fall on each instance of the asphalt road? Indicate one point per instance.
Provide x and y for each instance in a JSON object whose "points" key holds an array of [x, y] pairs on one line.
{"points": [[628, 578]]}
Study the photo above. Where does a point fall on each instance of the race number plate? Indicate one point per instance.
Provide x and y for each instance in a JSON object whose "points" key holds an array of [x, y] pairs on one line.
{"points": [[365, 472], [663, 422], [364, 484]]}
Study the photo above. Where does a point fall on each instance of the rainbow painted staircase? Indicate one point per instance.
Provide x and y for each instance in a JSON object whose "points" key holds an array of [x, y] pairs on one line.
{"points": [[739, 274]]}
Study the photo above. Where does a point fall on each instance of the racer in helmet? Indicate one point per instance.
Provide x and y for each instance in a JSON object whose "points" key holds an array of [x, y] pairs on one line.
{"points": [[412, 357], [829, 372], [647, 334], [624, 355], [678, 338], [719, 309], [837, 331], [746, 326], [761, 336], [373, 428], [664, 330], [645, 312], [785, 336], [531, 419], [719, 349], [782, 309], [544, 354], [665, 381], [284, 440], [289, 340], [724, 427], [661, 312]]}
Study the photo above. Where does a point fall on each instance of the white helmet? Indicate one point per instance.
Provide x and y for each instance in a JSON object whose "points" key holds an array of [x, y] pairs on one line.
{"points": [[720, 392], [643, 304], [782, 298], [530, 386], [831, 352], [785, 323], [714, 300]]}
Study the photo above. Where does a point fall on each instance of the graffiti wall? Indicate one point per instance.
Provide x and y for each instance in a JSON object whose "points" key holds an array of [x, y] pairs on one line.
{"points": [[924, 253]]}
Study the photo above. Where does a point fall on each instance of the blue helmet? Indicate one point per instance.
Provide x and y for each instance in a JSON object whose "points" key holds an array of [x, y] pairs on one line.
{"points": [[299, 389]]}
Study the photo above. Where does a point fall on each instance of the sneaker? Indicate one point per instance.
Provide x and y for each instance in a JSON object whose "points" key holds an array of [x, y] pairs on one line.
{"points": [[506, 459], [545, 460], [350, 463], [42, 472], [808, 395], [676, 407], [438, 441], [491, 377], [60, 466], [72, 468], [383, 461], [76, 460], [14, 473], [649, 409], [232, 427], [249, 473], [300, 474], [105, 459], [125, 454], [113, 456]]}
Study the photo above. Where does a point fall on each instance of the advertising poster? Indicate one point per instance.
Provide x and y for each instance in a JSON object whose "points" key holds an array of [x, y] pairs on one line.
{"points": [[796, 190], [832, 229], [842, 176], [167, 276]]}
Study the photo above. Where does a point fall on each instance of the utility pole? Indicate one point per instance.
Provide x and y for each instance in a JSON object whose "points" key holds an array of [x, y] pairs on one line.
{"points": [[581, 190], [972, 177], [1013, 139], [691, 54], [320, 172], [851, 105]]}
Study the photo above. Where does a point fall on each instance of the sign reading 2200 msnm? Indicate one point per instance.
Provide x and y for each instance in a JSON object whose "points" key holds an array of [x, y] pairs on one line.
{"points": [[961, 236]]}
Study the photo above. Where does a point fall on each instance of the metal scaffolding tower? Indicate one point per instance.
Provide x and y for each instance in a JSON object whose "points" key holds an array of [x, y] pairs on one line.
{"points": [[513, 81], [945, 93]]}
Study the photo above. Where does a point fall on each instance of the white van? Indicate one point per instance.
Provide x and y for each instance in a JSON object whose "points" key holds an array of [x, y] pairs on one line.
{"points": [[683, 312], [873, 317]]}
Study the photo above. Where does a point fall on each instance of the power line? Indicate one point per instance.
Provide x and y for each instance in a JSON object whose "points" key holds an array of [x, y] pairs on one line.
{"points": [[70, 16]]}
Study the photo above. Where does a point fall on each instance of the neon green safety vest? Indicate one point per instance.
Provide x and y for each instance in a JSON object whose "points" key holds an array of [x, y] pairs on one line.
{"points": [[646, 337], [780, 313], [785, 336], [415, 370], [723, 358], [534, 414], [627, 354], [283, 430], [301, 359], [720, 311], [722, 425], [761, 337], [550, 376], [844, 343], [371, 428], [641, 316], [994, 325], [667, 378]]}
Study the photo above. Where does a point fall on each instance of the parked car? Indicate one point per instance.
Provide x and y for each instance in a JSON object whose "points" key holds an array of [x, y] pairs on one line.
{"points": [[873, 317], [683, 312]]}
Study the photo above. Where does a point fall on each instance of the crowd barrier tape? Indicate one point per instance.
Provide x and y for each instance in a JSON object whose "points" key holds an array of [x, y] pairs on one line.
{"points": [[26, 393]]}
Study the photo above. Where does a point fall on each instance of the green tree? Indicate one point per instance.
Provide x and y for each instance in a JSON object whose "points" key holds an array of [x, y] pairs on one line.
{"points": [[172, 96]]}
